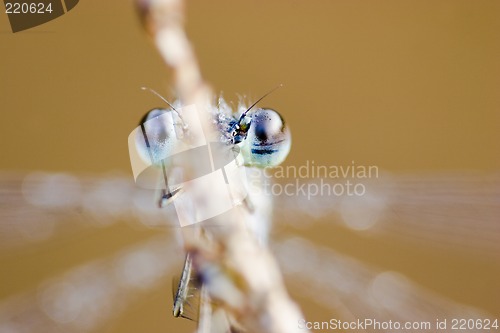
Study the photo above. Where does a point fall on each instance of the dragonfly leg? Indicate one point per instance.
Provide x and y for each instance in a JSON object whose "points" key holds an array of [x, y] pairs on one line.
{"points": [[182, 289]]}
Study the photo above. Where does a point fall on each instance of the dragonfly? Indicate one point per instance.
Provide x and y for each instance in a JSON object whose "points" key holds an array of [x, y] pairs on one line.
{"points": [[161, 21], [262, 136], [451, 213]]}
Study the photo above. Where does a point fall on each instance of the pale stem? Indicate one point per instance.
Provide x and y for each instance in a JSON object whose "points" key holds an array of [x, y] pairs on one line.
{"points": [[240, 274]]}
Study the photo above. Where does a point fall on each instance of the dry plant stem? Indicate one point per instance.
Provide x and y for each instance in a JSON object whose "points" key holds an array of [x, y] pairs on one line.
{"points": [[164, 21], [239, 273]]}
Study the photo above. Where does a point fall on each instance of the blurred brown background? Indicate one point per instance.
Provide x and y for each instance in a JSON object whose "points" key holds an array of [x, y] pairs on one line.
{"points": [[408, 86]]}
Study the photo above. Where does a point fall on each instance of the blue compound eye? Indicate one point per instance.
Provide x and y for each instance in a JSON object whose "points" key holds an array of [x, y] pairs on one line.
{"points": [[158, 136], [268, 139]]}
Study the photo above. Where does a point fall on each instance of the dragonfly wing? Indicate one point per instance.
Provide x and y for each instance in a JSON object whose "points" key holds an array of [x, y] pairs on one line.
{"points": [[355, 290], [37, 206], [446, 210]]}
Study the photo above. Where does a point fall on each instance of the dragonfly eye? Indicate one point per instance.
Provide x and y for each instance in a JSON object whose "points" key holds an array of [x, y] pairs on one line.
{"points": [[268, 139], [158, 136]]}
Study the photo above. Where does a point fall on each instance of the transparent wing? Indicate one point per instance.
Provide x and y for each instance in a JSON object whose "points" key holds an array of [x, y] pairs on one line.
{"points": [[455, 213], [37, 206], [445, 209], [354, 290], [442, 229], [89, 295], [453, 210]]}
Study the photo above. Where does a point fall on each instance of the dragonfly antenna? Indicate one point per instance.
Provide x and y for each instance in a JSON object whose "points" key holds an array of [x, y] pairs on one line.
{"points": [[165, 100], [260, 99], [160, 96]]}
